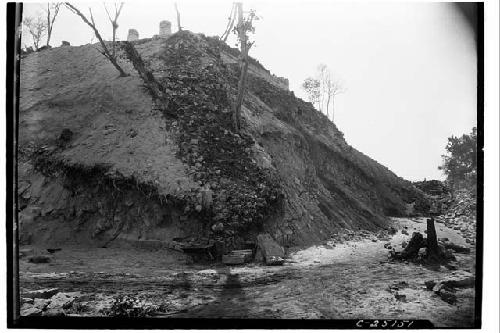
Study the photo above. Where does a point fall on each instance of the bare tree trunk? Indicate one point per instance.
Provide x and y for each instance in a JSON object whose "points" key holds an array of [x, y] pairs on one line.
{"points": [[49, 26], [114, 40], [327, 104], [243, 69], [51, 17], [333, 107], [105, 50], [178, 17]]}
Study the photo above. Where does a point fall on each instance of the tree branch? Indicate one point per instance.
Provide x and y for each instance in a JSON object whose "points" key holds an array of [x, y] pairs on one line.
{"points": [[92, 25]]}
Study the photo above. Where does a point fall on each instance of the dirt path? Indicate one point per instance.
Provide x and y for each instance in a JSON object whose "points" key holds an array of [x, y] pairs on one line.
{"points": [[349, 280]]}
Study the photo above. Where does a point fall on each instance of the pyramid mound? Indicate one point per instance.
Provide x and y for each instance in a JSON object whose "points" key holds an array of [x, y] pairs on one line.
{"points": [[153, 156]]}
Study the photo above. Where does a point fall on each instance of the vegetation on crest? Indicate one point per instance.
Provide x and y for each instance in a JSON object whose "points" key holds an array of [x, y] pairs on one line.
{"points": [[460, 162]]}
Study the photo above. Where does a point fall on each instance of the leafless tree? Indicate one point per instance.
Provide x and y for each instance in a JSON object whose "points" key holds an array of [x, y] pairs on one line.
{"points": [[312, 88], [230, 23], [91, 23], [243, 28], [51, 11], [114, 23], [178, 17], [37, 28], [323, 89], [330, 87]]}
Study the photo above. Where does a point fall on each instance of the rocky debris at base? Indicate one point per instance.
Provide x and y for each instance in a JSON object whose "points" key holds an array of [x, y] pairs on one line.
{"points": [[460, 214], [446, 288], [42, 293], [28, 310], [416, 250], [53, 305]]}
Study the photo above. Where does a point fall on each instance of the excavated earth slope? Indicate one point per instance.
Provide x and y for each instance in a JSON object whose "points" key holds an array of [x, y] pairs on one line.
{"points": [[103, 159]]}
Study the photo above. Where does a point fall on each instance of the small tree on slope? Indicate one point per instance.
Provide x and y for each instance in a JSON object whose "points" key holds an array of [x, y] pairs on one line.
{"points": [[37, 28], [51, 11], [114, 23], [243, 28], [91, 23]]}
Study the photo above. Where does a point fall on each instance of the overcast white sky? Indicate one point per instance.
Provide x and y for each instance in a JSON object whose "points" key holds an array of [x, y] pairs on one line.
{"points": [[409, 68]]}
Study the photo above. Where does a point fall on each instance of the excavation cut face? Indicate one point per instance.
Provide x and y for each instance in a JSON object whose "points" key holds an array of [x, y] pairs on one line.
{"points": [[288, 173]]}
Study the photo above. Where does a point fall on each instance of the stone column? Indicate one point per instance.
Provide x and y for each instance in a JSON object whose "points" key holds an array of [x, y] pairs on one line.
{"points": [[165, 29], [433, 251], [132, 35]]}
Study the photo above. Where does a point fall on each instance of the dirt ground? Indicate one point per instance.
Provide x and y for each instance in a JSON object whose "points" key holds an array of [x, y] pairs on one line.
{"points": [[337, 280]]}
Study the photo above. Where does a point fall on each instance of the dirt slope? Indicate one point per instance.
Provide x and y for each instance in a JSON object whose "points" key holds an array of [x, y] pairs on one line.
{"points": [[101, 159]]}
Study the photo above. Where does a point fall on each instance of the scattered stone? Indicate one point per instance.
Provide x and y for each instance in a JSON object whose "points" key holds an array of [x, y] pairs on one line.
{"points": [[29, 311], [218, 227], [430, 284], [459, 282], [400, 297], [41, 293], [54, 313], [392, 230], [404, 232], [26, 300], [39, 259], [61, 301], [132, 133], [447, 296], [65, 43], [51, 251], [457, 248], [65, 137], [399, 285], [388, 246], [26, 252], [41, 303], [237, 257], [414, 245], [422, 252], [451, 267]]}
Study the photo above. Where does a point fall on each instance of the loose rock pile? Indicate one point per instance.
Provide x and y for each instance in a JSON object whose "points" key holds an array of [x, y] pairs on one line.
{"points": [[461, 215], [197, 86], [46, 302], [446, 288]]}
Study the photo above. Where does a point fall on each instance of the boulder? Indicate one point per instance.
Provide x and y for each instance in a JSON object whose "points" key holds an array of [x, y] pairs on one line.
{"points": [[61, 301], [416, 242], [237, 257], [457, 248], [39, 259], [272, 252], [41, 293], [26, 300], [40, 303], [447, 295], [430, 284], [231, 259], [28, 310], [26, 252]]}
